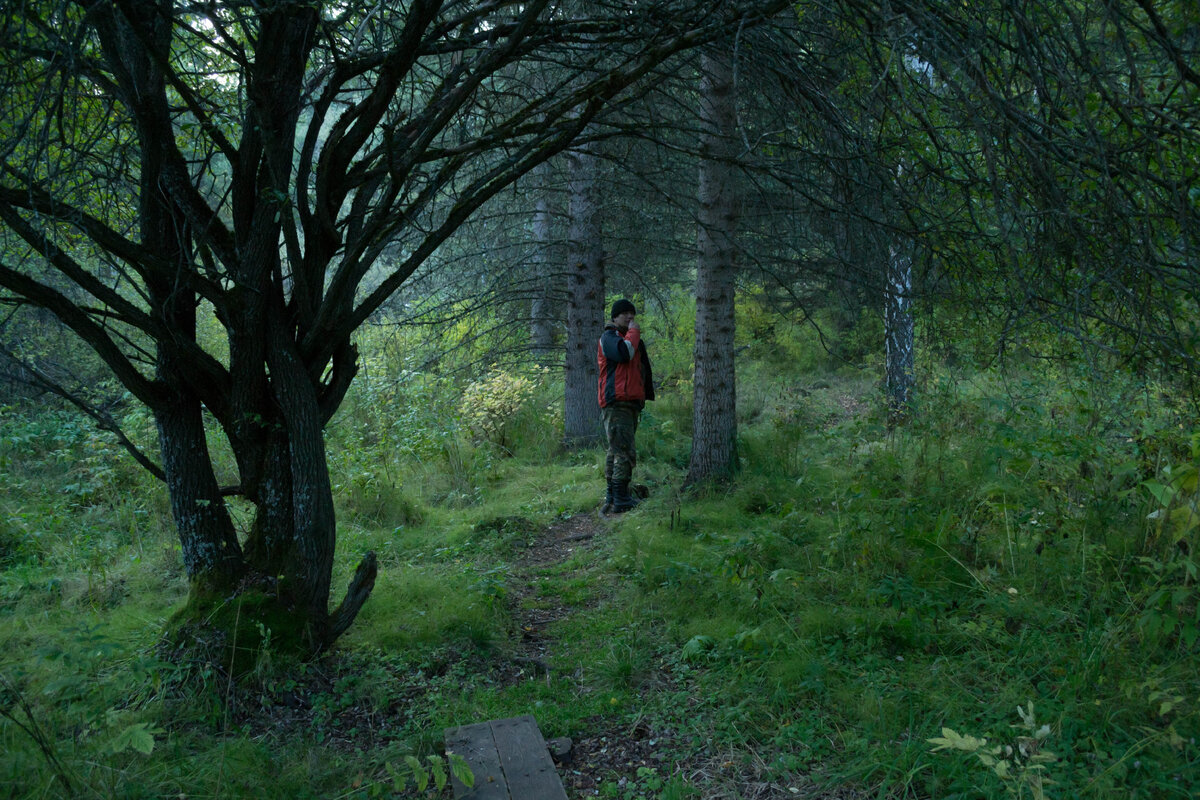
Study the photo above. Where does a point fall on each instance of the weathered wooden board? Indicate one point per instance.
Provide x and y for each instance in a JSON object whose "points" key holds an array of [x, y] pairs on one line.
{"points": [[526, 760], [476, 744], [509, 759]]}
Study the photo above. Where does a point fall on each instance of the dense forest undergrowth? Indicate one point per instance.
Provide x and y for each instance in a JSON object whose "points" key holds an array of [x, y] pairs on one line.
{"points": [[1016, 564]]}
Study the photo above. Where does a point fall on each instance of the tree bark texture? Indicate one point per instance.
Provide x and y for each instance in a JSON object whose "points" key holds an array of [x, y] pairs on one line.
{"points": [[313, 516], [211, 553], [585, 302], [899, 332], [544, 311], [714, 419]]}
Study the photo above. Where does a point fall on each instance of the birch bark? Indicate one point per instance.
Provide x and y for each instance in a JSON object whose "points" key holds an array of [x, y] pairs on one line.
{"points": [[899, 332]]}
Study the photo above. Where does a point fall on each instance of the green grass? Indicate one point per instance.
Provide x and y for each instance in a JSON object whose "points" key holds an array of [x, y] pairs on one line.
{"points": [[853, 592]]}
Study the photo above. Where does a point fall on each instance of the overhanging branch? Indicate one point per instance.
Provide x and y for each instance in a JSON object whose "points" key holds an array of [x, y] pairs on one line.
{"points": [[103, 419]]}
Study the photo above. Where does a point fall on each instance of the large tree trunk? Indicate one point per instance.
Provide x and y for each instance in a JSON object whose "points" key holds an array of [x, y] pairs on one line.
{"points": [[585, 303], [273, 416], [269, 544], [544, 307], [211, 554], [714, 420], [899, 332], [309, 569]]}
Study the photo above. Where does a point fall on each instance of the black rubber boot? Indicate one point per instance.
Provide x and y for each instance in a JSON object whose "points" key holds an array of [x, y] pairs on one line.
{"points": [[608, 500], [622, 500]]}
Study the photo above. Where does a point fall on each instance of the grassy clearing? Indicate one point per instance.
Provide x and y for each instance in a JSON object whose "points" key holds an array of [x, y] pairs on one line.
{"points": [[853, 593]]}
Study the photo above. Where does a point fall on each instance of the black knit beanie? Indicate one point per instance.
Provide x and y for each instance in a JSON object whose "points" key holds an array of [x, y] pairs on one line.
{"points": [[620, 307]]}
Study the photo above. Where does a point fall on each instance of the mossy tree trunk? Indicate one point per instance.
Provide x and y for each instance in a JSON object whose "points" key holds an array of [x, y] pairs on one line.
{"points": [[270, 402]]}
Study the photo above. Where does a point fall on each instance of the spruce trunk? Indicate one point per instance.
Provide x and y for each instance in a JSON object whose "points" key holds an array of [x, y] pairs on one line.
{"points": [[714, 421], [585, 303]]}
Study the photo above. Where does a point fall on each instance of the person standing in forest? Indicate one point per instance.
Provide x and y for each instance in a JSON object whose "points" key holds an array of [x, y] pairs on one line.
{"points": [[626, 383]]}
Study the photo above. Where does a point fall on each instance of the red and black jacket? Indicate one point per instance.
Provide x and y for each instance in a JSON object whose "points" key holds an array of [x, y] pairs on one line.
{"points": [[625, 375]]}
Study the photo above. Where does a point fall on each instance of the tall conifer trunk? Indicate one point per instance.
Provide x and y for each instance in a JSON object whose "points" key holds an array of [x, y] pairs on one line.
{"points": [[714, 421], [544, 307], [585, 302]]}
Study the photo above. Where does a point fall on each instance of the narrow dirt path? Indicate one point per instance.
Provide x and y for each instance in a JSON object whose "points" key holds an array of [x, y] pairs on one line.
{"points": [[533, 610], [609, 750]]}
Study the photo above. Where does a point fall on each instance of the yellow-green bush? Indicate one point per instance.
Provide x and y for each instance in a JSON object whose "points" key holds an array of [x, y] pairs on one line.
{"points": [[489, 404]]}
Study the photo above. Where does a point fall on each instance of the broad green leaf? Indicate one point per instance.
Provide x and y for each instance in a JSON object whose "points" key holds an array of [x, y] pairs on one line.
{"points": [[951, 740], [138, 737], [461, 770], [438, 770], [419, 773], [789, 576], [697, 647], [1162, 493], [1188, 635], [399, 780]]}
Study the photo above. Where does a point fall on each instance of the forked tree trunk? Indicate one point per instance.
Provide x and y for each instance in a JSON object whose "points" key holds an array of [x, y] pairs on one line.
{"points": [[276, 424], [327, 175], [585, 302], [270, 540], [714, 419], [211, 553], [313, 519], [899, 332]]}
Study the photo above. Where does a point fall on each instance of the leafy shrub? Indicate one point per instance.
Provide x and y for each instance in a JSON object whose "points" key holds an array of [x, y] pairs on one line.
{"points": [[488, 405]]}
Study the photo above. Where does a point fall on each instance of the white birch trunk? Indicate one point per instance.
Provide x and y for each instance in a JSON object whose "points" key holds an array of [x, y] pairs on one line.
{"points": [[898, 332]]}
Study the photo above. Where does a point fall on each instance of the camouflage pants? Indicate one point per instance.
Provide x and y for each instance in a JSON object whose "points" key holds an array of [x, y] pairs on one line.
{"points": [[620, 426]]}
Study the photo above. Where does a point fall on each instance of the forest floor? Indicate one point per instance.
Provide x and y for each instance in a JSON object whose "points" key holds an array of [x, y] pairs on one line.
{"points": [[612, 752], [812, 629]]}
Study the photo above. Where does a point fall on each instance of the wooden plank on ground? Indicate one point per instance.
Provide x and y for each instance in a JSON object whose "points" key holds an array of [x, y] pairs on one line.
{"points": [[477, 746], [509, 759], [526, 760]]}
